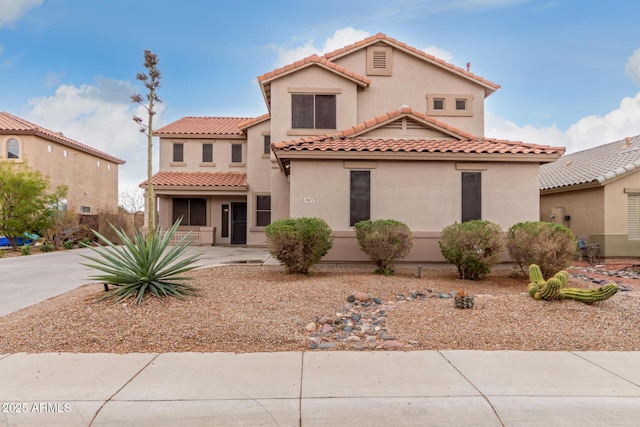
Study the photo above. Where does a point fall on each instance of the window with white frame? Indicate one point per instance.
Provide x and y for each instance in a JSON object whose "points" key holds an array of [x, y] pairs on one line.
{"points": [[13, 149], [633, 216]]}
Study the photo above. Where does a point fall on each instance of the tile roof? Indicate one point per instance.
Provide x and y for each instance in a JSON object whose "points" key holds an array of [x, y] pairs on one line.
{"points": [[198, 179], [248, 123], [439, 62], [10, 124], [404, 111], [313, 60], [595, 165], [477, 146], [203, 126]]}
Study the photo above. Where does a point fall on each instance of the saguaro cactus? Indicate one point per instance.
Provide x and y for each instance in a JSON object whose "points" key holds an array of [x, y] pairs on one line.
{"points": [[556, 288]]}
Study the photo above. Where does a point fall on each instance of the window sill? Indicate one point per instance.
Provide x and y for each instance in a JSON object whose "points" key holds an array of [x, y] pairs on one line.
{"points": [[236, 165], [177, 164], [305, 132], [207, 165]]}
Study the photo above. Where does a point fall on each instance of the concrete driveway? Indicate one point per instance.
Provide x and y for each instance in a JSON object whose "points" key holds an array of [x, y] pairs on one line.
{"points": [[28, 280]]}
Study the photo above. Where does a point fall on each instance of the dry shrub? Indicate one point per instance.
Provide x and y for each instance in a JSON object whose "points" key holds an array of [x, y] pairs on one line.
{"points": [[473, 247], [550, 246], [384, 240]]}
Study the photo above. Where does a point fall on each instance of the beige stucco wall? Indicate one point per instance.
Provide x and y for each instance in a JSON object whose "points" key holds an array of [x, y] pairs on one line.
{"points": [[258, 177], [585, 207], [411, 81], [424, 195], [193, 155], [91, 181]]}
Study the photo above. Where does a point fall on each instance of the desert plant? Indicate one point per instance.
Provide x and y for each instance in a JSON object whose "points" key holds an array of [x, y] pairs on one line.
{"points": [[143, 265], [384, 240], [556, 288], [298, 243], [46, 247], [25, 249], [463, 299], [68, 244], [550, 246], [473, 247]]}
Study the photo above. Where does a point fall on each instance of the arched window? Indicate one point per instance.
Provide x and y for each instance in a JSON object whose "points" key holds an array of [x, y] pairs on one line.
{"points": [[13, 149]]}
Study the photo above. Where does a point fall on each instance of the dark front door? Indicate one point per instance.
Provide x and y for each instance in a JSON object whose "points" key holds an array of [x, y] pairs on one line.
{"points": [[238, 223]]}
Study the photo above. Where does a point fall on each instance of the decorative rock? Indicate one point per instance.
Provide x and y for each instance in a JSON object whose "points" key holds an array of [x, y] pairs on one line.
{"points": [[327, 328], [361, 297], [377, 301], [384, 336], [326, 345], [311, 326], [326, 319], [392, 345], [370, 339], [351, 298], [353, 338]]}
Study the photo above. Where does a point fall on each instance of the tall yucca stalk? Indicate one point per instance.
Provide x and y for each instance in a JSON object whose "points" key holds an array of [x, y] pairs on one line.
{"points": [[143, 265]]}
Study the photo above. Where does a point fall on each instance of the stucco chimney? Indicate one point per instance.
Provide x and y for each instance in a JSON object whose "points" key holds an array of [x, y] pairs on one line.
{"points": [[468, 65]]}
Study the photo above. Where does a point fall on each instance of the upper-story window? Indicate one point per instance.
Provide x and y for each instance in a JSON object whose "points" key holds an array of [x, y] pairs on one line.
{"points": [[236, 153], [313, 111], [267, 145], [207, 153], [450, 104], [13, 149], [178, 152]]}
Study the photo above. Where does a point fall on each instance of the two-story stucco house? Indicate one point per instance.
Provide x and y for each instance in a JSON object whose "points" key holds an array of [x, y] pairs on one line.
{"points": [[377, 129], [90, 175]]}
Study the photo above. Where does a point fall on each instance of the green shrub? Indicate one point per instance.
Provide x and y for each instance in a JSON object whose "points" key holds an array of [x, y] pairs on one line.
{"points": [[550, 246], [384, 240], [144, 265], [46, 247], [68, 244], [84, 242], [25, 249], [473, 247], [298, 243]]}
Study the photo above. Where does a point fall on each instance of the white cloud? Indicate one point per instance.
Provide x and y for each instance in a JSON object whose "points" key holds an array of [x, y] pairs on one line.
{"points": [[633, 67], [12, 10], [340, 38], [586, 133], [100, 115], [438, 53]]}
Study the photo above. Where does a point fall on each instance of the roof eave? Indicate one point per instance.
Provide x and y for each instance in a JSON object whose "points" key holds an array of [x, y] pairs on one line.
{"points": [[573, 187], [282, 155]]}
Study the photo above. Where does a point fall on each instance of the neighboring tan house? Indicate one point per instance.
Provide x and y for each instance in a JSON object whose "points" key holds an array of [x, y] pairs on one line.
{"points": [[596, 193], [90, 175], [377, 129]]}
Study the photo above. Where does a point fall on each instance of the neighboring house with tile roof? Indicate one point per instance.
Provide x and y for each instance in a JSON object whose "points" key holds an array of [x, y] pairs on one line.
{"points": [[596, 193], [90, 174], [377, 129]]}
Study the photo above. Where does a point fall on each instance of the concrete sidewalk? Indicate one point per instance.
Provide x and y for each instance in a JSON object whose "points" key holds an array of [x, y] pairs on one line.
{"points": [[422, 388]]}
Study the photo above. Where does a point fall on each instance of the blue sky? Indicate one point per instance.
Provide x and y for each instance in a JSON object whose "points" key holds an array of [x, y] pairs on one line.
{"points": [[569, 69]]}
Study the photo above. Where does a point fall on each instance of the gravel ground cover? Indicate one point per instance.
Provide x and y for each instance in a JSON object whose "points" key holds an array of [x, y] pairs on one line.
{"points": [[262, 309]]}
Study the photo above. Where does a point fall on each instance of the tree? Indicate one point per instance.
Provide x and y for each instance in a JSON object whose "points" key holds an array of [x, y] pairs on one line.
{"points": [[131, 200], [25, 203], [152, 82]]}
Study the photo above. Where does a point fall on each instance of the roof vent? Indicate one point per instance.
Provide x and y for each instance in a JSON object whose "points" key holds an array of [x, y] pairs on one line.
{"points": [[568, 163], [468, 66], [627, 142]]}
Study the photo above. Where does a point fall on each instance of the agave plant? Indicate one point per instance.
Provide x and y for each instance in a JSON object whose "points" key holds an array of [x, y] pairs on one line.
{"points": [[143, 265]]}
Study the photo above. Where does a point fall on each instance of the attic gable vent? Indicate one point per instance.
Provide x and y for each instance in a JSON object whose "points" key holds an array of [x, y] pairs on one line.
{"points": [[379, 60]]}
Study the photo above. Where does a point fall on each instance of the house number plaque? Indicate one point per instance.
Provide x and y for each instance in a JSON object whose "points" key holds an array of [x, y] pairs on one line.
{"points": [[309, 199]]}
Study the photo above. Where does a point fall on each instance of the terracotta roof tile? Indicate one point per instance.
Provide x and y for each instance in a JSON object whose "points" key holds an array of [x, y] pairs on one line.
{"points": [[477, 146], [13, 124], [204, 126], [380, 36], [313, 60], [198, 179], [594, 165], [379, 120], [248, 123]]}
